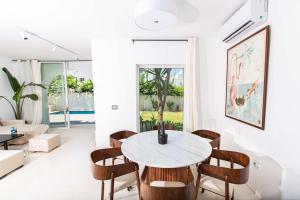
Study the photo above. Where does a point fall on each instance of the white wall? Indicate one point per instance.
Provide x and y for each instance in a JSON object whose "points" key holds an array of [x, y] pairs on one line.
{"points": [[276, 149], [82, 69], [5, 89], [115, 76]]}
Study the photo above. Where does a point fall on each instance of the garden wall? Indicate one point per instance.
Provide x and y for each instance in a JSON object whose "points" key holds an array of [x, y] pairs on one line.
{"points": [[77, 102], [145, 102]]}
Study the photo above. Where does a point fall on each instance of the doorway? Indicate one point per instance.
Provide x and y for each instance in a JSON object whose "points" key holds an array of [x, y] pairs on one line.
{"points": [[69, 98], [55, 98]]}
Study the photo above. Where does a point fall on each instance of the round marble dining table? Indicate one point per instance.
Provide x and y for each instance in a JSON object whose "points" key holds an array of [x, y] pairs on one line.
{"points": [[183, 149]]}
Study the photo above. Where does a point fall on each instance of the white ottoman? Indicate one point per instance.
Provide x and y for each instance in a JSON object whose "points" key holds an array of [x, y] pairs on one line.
{"points": [[44, 142], [10, 160]]}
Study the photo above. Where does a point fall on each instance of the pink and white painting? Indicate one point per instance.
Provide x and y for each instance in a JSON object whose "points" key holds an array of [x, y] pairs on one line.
{"points": [[247, 64]]}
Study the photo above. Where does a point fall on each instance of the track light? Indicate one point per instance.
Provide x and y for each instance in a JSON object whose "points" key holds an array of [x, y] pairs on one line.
{"points": [[23, 35], [53, 48]]}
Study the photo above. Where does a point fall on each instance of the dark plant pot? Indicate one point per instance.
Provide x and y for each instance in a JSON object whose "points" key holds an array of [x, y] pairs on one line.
{"points": [[163, 138]]}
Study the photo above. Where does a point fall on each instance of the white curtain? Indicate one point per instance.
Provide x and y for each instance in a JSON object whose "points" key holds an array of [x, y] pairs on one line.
{"points": [[30, 71], [192, 87]]}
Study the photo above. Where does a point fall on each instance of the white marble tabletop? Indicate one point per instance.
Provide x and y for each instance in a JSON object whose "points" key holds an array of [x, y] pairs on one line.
{"points": [[183, 149]]}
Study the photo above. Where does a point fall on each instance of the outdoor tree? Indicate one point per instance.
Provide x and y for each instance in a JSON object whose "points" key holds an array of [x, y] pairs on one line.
{"points": [[157, 82]]}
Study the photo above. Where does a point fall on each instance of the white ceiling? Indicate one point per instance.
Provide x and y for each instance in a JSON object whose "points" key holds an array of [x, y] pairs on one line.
{"points": [[71, 23]]}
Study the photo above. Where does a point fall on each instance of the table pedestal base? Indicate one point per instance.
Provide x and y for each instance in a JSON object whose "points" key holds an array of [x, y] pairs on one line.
{"points": [[183, 175]]}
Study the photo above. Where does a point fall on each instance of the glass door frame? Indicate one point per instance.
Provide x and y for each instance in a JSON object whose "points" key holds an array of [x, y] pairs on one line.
{"points": [[66, 109], [147, 66]]}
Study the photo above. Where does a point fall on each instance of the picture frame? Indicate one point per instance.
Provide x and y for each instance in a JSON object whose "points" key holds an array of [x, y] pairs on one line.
{"points": [[246, 79]]}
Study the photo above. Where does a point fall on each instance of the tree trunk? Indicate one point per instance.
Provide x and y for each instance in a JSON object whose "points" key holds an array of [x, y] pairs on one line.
{"points": [[162, 84]]}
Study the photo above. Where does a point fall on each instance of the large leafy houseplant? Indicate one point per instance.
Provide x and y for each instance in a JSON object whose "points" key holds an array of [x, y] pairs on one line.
{"points": [[18, 97]]}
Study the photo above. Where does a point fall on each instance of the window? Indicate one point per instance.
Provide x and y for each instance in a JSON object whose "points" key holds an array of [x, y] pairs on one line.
{"points": [[161, 92]]}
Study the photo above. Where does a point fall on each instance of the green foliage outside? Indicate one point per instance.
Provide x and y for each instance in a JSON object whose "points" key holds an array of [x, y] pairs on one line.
{"points": [[74, 85], [173, 118], [170, 105], [168, 116], [148, 88], [157, 84]]}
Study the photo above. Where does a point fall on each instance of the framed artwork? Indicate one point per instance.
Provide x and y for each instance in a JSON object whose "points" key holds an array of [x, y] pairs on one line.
{"points": [[246, 79]]}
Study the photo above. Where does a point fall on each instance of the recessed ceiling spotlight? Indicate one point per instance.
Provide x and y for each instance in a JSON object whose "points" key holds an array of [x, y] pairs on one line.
{"points": [[147, 13]]}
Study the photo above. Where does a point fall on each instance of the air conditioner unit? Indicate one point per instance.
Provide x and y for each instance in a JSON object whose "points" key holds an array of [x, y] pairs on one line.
{"points": [[250, 15]]}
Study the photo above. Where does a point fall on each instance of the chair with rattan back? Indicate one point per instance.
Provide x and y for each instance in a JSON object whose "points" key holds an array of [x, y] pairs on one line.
{"points": [[232, 174], [103, 172]]}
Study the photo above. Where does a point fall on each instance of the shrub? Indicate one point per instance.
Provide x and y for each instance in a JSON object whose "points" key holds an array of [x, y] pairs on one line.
{"points": [[177, 125], [170, 105], [154, 104], [74, 85]]}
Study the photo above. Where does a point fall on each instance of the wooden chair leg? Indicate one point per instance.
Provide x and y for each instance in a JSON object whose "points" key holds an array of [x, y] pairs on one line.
{"points": [[112, 187], [218, 160], [226, 188], [232, 198], [138, 183], [102, 190], [197, 184]]}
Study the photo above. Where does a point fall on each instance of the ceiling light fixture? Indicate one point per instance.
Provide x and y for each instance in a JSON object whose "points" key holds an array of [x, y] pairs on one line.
{"points": [[24, 33], [156, 14]]}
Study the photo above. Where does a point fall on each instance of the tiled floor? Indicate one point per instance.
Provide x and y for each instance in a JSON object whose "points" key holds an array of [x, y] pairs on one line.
{"points": [[64, 173]]}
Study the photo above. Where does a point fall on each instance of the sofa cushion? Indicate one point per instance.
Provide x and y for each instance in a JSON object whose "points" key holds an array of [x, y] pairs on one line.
{"points": [[10, 160]]}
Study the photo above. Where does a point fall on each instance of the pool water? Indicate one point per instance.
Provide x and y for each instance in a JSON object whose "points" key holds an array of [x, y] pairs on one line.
{"points": [[91, 112]]}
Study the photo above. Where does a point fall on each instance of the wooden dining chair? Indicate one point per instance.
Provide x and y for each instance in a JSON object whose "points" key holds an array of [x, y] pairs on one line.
{"points": [[167, 127], [167, 184], [115, 172], [116, 138], [214, 137], [211, 135], [233, 174]]}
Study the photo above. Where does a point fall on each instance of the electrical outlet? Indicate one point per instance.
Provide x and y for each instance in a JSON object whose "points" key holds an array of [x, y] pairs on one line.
{"points": [[114, 107]]}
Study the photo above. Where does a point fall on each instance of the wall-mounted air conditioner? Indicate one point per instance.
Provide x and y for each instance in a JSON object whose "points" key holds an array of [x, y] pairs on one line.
{"points": [[250, 15]]}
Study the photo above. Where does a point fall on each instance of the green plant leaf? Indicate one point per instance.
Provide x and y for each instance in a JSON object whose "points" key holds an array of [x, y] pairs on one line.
{"points": [[35, 84], [10, 103], [18, 93], [14, 83], [33, 97]]}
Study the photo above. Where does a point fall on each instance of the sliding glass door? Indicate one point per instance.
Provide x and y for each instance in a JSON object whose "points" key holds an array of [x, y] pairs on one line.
{"points": [[55, 98]]}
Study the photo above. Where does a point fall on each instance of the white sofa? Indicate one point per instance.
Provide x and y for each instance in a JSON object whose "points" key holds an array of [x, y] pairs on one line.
{"points": [[29, 130], [10, 160]]}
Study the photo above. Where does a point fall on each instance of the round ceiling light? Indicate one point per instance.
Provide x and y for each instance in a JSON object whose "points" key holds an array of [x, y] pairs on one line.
{"points": [[156, 14]]}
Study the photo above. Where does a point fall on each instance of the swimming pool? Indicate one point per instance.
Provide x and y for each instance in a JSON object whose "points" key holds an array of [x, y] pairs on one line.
{"points": [[91, 112]]}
